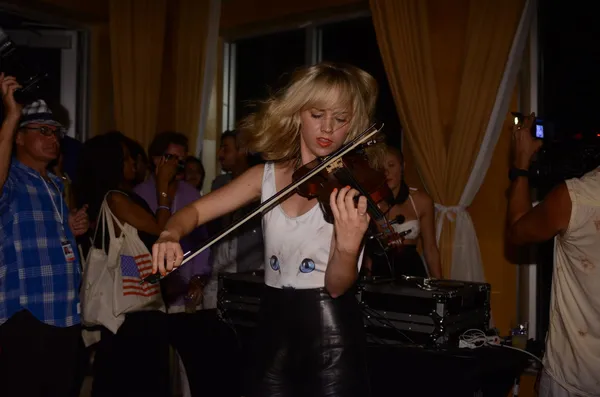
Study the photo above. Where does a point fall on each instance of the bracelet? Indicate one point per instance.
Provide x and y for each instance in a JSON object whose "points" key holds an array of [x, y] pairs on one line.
{"points": [[163, 207], [514, 173]]}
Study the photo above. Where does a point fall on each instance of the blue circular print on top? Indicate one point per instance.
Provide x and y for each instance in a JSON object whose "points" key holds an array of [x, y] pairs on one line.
{"points": [[274, 261], [307, 265]]}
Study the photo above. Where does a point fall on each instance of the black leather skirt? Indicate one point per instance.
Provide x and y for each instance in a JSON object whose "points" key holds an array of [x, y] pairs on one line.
{"points": [[310, 345]]}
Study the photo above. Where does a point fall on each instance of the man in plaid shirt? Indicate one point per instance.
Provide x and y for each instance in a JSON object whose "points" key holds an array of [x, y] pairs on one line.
{"points": [[40, 334]]}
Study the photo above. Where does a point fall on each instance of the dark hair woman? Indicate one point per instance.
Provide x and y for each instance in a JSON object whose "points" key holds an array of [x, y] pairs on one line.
{"points": [[140, 347]]}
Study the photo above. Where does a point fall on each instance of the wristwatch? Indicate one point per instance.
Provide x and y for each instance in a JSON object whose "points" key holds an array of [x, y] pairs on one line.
{"points": [[514, 173]]}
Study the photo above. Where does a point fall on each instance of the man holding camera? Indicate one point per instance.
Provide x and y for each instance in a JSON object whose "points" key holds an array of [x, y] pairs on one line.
{"points": [[571, 213], [40, 334]]}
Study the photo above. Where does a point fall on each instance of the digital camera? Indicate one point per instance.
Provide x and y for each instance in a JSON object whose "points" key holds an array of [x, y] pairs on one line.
{"points": [[29, 76]]}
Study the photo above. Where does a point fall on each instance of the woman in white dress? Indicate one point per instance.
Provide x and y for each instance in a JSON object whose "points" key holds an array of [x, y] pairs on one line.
{"points": [[415, 214]]}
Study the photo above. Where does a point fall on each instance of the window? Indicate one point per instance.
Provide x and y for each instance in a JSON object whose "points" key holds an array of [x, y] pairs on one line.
{"points": [[569, 94], [256, 66], [354, 42], [59, 53], [263, 64], [49, 61]]}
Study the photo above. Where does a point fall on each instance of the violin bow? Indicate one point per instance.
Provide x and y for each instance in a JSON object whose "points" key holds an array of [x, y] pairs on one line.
{"points": [[345, 149]]}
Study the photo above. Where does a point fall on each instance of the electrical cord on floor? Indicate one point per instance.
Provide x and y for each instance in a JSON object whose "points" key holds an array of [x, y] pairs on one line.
{"points": [[475, 338]]}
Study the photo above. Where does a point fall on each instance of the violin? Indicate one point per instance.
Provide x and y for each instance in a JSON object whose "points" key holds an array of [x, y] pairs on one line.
{"points": [[352, 169], [346, 166]]}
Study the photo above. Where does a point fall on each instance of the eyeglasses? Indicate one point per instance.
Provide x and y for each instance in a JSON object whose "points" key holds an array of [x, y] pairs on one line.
{"points": [[47, 131], [180, 162], [169, 156]]}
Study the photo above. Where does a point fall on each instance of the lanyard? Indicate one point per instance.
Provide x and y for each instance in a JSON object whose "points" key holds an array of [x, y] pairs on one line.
{"points": [[60, 213]]}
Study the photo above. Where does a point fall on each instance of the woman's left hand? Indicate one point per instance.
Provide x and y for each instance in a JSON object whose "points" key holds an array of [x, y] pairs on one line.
{"points": [[350, 220]]}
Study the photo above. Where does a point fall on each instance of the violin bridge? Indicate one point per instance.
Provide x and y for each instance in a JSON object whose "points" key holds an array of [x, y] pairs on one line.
{"points": [[334, 165]]}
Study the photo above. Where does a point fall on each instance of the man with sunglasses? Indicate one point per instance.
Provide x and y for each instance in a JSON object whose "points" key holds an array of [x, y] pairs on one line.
{"points": [[182, 291], [40, 334]]}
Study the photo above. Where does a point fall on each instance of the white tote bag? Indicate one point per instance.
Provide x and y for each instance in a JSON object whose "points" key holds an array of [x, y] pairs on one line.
{"points": [[133, 264], [98, 284]]}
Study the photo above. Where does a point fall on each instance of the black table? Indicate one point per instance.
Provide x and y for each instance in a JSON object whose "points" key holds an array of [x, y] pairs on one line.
{"points": [[415, 371], [404, 370]]}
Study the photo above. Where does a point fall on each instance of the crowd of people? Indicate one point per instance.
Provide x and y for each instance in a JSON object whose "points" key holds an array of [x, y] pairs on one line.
{"points": [[310, 339]]}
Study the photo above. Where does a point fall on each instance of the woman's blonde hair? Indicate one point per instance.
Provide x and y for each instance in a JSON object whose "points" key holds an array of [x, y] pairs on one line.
{"points": [[377, 153], [274, 130]]}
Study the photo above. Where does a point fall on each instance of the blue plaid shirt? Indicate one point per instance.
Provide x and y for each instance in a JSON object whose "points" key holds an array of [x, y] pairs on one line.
{"points": [[34, 272]]}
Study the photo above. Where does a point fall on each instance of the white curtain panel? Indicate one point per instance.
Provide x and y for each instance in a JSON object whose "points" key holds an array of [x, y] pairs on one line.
{"points": [[466, 257], [210, 67]]}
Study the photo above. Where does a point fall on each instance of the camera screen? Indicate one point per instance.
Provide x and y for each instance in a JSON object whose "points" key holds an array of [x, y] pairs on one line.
{"points": [[539, 131]]}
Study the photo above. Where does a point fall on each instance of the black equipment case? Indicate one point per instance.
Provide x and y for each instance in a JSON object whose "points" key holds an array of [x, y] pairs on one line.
{"points": [[424, 311], [415, 310], [239, 297]]}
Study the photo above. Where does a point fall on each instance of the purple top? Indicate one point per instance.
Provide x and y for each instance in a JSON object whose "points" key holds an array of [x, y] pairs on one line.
{"points": [[176, 285]]}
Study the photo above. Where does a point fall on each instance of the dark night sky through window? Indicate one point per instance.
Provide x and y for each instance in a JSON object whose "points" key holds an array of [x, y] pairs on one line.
{"points": [[570, 83], [265, 63], [569, 38]]}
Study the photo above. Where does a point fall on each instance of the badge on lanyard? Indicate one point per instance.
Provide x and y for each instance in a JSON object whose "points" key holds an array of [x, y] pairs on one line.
{"points": [[65, 244], [68, 251]]}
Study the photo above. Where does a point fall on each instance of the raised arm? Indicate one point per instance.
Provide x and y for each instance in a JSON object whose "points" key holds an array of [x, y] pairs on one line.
{"points": [[528, 225], [12, 114], [236, 194], [128, 211]]}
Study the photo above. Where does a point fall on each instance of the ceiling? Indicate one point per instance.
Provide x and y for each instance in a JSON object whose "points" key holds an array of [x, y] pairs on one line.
{"points": [[12, 21], [48, 14]]}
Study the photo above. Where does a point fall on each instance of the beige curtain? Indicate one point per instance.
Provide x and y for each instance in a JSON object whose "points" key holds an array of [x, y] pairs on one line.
{"points": [[137, 29], [190, 33], [444, 127], [102, 115]]}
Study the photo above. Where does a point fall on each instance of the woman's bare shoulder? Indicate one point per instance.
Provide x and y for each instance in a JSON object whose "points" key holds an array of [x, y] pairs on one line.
{"points": [[116, 197], [421, 196], [251, 178]]}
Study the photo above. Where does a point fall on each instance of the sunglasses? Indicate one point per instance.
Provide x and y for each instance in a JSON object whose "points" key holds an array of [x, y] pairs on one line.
{"points": [[180, 163], [47, 131]]}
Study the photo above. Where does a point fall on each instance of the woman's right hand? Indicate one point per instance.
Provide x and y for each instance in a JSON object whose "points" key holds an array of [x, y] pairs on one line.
{"points": [[166, 171], [166, 253]]}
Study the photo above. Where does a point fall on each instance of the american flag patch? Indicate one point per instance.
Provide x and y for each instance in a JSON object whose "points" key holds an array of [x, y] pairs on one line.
{"points": [[134, 269]]}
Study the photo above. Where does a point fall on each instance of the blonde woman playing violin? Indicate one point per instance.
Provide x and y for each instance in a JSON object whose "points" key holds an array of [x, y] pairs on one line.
{"points": [[311, 339]]}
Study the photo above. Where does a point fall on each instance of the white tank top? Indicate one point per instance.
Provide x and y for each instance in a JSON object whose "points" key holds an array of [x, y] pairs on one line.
{"points": [[573, 341], [414, 226], [296, 249]]}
